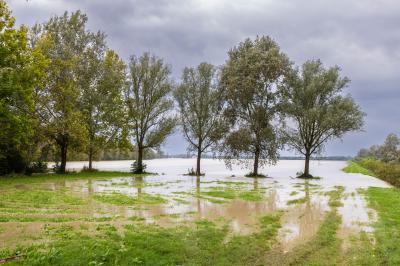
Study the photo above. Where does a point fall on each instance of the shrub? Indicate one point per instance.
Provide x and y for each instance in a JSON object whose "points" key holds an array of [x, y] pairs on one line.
{"points": [[36, 167], [389, 172], [134, 167]]}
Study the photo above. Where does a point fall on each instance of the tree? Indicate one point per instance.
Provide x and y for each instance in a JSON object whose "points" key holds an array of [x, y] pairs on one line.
{"points": [[101, 81], [21, 69], [250, 78], [389, 151], [148, 102], [317, 110], [200, 102], [67, 41]]}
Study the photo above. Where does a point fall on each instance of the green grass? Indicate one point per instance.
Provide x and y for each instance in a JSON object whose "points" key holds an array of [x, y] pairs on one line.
{"points": [[355, 168], [386, 201], [233, 191], [39, 198], [23, 179], [122, 199], [141, 244]]}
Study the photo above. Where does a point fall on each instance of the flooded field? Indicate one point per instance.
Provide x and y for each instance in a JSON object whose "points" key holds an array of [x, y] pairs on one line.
{"points": [[170, 199]]}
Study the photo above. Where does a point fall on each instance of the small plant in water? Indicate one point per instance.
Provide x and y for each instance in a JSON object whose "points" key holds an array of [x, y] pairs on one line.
{"points": [[192, 172], [36, 167], [251, 174], [86, 169], [135, 169]]}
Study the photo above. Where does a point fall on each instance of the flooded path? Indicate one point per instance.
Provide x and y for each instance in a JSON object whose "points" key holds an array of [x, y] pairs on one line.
{"points": [[171, 198]]}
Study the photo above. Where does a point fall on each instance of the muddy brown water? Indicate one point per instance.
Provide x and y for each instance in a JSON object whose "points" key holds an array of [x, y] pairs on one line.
{"points": [[299, 223]]}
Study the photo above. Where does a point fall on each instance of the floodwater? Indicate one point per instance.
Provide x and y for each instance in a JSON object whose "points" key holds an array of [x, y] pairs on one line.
{"points": [[299, 223]]}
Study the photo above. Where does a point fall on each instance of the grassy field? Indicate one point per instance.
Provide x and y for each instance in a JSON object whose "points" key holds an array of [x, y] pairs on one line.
{"points": [[45, 220], [355, 168]]}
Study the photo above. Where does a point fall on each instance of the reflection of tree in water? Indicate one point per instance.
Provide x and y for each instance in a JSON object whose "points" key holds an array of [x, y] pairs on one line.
{"points": [[139, 183], [255, 184], [90, 187], [310, 214], [198, 195]]}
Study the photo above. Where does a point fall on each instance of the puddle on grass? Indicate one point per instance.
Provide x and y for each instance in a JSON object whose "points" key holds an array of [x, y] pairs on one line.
{"points": [[304, 202]]}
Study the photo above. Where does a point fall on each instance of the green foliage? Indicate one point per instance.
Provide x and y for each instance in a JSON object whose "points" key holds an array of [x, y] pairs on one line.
{"points": [[200, 103], [249, 78], [36, 167], [312, 101], [65, 41], [388, 152], [136, 169], [388, 172], [147, 98], [21, 69], [102, 78]]}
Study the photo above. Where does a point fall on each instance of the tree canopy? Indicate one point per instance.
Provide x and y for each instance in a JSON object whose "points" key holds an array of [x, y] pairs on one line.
{"points": [[317, 110], [149, 102], [200, 103], [250, 78], [21, 69]]}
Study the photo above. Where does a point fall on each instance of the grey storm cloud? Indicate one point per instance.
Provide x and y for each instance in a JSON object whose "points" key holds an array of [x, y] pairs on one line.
{"points": [[360, 36]]}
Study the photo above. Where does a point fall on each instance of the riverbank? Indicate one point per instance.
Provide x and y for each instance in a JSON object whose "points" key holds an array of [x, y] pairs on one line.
{"points": [[389, 172]]}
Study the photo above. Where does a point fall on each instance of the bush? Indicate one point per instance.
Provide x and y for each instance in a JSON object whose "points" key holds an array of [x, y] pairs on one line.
{"points": [[86, 169], [389, 172], [36, 167], [135, 169]]}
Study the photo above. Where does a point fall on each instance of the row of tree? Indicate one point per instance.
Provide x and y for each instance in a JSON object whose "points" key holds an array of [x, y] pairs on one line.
{"points": [[388, 152], [62, 87]]}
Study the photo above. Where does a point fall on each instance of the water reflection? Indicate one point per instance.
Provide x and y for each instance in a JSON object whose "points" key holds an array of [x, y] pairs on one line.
{"points": [[299, 223]]}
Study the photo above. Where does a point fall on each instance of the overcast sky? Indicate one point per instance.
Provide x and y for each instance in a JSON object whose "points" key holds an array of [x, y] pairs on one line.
{"points": [[360, 36]]}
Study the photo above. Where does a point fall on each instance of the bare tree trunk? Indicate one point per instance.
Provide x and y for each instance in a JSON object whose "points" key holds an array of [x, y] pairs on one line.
{"points": [[307, 166], [64, 149], [139, 168], [198, 173], [256, 158], [90, 158]]}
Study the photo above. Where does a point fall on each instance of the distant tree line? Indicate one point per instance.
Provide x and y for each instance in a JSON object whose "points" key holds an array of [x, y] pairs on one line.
{"points": [[65, 93], [388, 152], [382, 161]]}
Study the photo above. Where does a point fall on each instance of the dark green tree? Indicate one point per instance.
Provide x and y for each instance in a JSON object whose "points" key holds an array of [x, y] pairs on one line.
{"points": [[66, 42], [148, 100], [101, 82], [200, 103], [317, 110], [250, 78], [21, 69]]}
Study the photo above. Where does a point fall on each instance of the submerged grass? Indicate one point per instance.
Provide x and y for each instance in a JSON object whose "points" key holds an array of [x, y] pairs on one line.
{"points": [[122, 199], [297, 201], [230, 193], [141, 244], [324, 247]]}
